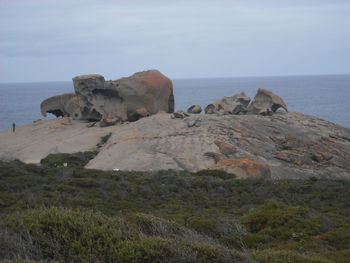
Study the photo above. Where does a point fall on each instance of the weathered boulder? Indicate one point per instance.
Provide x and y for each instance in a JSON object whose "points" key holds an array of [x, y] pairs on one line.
{"points": [[266, 102], [229, 105], [243, 168], [65, 105], [195, 109], [130, 98]]}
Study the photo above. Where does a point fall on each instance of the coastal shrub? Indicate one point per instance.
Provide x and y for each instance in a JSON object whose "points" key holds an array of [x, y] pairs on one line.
{"points": [[202, 224], [278, 256], [154, 226], [19, 260], [73, 160], [338, 256], [275, 221], [104, 139], [310, 216], [215, 173], [81, 235], [70, 235]]}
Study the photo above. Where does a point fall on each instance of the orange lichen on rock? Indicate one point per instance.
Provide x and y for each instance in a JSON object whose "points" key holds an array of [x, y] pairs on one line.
{"points": [[243, 168]]}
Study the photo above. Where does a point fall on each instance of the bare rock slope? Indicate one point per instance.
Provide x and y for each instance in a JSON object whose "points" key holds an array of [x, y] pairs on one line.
{"points": [[284, 145]]}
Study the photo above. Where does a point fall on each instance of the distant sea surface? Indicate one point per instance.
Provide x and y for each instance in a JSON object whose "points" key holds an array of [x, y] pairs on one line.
{"points": [[327, 97]]}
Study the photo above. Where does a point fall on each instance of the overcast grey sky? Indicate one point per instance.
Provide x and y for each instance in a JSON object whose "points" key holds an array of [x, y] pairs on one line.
{"points": [[44, 40]]}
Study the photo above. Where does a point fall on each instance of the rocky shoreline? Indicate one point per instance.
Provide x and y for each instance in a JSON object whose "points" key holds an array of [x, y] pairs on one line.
{"points": [[247, 138]]}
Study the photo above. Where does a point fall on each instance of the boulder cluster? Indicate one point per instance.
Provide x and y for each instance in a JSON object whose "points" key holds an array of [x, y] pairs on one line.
{"points": [[144, 94], [126, 99], [265, 102]]}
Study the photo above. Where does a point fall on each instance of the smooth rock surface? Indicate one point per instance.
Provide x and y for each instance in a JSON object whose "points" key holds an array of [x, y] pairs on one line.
{"points": [[292, 145], [33, 142]]}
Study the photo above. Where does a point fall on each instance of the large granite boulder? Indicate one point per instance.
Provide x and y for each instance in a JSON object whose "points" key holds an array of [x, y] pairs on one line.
{"points": [[266, 102], [65, 105], [142, 94], [229, 105]]}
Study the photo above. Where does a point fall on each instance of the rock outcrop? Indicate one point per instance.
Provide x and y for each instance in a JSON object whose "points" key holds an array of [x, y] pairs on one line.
{"points": [[142, 94], [266, 102], [236, 104], [65, 105], [242, 137], [126, 99], [291, 145]]}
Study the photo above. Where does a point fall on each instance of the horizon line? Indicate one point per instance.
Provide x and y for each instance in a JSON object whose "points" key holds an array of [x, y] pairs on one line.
{"points": [[188, 78]]}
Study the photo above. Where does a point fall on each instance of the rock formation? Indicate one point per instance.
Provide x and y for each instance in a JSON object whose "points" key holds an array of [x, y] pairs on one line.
{"points": [[131, 98], [65, 105], [266, 102], [126, 99], [237, 138], [229, 105]]}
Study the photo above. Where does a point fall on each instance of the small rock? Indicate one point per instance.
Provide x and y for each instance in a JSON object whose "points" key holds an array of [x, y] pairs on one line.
{"points": [[195, 109], [180, 114]]}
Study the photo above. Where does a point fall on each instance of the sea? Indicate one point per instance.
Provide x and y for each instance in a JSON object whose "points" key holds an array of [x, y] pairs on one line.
{"points": [[326, 96]]}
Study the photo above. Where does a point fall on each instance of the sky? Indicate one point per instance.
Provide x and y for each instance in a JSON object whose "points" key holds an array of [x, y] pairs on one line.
{"points": [[55, 40]]}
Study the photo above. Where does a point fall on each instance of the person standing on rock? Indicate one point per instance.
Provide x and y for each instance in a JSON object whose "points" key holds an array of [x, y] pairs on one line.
{"points": [[13, 127]]}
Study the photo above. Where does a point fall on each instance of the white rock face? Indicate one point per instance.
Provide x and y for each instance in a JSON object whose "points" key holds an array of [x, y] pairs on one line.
{"points": [[33, 142]]}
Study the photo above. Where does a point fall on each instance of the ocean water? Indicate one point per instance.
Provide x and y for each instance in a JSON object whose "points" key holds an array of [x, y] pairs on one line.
{"points": [[327, 97]]}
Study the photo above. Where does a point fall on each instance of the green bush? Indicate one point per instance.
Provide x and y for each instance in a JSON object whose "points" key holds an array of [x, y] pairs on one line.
{"points": [[215, 173], [275, 221], [275, 256], [339, 256], [176, 206], [80, 235], [202, 224], [74, 160], [71, 235]]}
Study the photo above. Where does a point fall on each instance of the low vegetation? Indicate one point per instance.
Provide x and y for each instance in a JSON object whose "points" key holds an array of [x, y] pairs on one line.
{"points": [[64, 213]]}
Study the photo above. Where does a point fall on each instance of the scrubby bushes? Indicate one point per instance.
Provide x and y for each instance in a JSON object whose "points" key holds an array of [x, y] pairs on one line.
{"points": [[189, 216], [81, 235], [75, 160]]}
